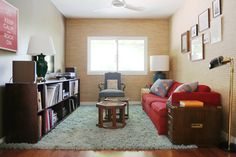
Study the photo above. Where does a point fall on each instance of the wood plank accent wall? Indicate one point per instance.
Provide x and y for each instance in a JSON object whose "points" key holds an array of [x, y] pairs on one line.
{"points": [[186, 71], [77, 31]]}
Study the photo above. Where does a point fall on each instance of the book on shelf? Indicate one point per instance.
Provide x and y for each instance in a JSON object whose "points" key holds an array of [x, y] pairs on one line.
{"points": [[191, 103], [54, 94], [39, 97]]}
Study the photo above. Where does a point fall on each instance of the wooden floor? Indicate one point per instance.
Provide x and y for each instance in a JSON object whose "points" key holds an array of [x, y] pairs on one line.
{"points": [[201, 152]]}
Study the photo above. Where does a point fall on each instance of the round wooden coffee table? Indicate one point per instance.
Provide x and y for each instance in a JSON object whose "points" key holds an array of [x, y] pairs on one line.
{"points": [[111, 122]]}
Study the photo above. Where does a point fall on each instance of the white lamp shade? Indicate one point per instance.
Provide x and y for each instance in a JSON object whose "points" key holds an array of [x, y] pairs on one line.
{"points": [[159, 63], [41, 44]]}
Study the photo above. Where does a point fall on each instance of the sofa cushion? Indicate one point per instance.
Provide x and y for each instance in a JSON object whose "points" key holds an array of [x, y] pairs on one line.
{"points": [[159, 108], [173, 87], [203, 88], [148, 98], [161, 87]]}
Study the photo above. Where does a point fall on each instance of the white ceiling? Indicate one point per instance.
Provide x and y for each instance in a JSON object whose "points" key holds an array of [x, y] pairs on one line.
{"points": [[103, 8]]}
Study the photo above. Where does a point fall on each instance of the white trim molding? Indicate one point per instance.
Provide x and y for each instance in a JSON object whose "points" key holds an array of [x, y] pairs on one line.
{"points": [[94, 103], [2, 140], [224, 135]]}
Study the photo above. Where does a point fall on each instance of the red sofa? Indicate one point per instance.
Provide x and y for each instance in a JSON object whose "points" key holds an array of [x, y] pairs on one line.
{"points": [[155, 106]]}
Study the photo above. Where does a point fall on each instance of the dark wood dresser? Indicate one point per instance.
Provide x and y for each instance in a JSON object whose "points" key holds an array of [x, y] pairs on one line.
{"points": [[194, 125]]}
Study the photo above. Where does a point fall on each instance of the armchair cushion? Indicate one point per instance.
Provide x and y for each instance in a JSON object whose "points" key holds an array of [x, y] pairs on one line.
{"points": [[111, 93], [112, 84]]}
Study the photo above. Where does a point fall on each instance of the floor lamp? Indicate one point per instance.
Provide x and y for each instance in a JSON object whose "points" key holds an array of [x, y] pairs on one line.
{"points": [[228, 146]]}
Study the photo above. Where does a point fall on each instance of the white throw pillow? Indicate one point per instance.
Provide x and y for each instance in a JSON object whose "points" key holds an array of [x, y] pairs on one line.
{"points": [[112, 84]]}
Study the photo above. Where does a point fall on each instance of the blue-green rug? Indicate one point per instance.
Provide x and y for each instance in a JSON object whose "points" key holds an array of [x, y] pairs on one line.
{"points": [[79, 131]]}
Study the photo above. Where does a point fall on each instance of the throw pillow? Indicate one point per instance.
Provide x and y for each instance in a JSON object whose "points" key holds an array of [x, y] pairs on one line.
{"points": [[161, 87], [186, 87], [112, 84]]}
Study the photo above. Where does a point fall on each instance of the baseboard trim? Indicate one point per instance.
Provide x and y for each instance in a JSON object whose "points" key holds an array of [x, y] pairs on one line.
{"points": [[225, 137], [94, 102], [2, 140]]}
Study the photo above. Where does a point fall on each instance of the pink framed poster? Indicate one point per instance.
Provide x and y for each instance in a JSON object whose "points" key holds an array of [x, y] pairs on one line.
{"points": [[8, 26]]}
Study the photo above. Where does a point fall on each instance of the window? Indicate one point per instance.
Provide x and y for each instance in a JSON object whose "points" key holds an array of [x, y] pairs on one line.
{"points": [[127, 55]]}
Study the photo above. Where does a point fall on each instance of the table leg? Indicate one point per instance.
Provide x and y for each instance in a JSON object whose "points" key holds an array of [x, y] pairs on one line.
{"points": [[127, 115], [113, 110], [100, 117], [123, 116]]}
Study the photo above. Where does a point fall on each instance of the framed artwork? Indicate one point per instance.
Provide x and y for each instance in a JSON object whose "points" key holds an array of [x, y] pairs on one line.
{"points": [[185, 42], [197, 49], [216, 8], [204, 20], [8, 26], [194, 31], [206, 37]]}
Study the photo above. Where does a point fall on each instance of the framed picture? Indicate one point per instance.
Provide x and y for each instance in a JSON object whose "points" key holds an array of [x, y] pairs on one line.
{"points": [[204, 20], [194, 31], [206, 37], [197, 49], [8, 26], [185, 42], [216, 8]]}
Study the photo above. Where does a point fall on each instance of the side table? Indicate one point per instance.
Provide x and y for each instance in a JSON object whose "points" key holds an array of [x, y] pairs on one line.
{"points": [[111, 122], [144, 90], [194, 125], [122, 99]]}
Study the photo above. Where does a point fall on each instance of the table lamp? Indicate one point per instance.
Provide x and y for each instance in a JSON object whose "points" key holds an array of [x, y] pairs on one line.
{"points": [[159, 63], [216, 62], [40, 46]]}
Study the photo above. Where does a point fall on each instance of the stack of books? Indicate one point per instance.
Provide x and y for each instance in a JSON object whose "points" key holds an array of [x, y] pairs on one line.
{"points": [[191, 103]]}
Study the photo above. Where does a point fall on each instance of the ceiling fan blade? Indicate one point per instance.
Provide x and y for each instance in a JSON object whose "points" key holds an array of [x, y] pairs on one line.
{"points": [[103, 9], [127, 6]]}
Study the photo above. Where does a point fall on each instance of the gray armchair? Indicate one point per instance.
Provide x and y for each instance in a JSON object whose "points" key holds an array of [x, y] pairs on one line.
{"points": [[112, 86]]}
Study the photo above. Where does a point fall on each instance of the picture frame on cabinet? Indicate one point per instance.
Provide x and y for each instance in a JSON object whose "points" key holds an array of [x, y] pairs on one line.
{"points": [[204, 20], [216, 8], [185, 46], [197, 48]]}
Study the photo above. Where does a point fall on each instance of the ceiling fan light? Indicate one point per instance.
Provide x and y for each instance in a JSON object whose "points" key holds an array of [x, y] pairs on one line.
{"points": [[118, 3]]}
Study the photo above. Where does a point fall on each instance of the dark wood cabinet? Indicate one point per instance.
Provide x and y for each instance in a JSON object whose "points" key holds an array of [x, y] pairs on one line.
{"points": [[33, 109], [194, 125]]}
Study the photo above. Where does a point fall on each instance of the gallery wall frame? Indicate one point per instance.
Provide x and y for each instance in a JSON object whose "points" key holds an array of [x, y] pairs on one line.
{"points": [[216, 8], [197, 48], [185, 39], [204, 20], [8, 26], [194, 31]]}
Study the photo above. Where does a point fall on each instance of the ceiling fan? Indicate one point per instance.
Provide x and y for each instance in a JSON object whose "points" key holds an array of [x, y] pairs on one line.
{"points": [[122, 4]]}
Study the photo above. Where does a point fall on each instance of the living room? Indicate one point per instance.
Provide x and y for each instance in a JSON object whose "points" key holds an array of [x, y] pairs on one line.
{"points": [[163, 33]]}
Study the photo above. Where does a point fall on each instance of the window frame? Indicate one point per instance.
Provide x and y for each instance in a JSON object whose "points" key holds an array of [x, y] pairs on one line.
{"points": [[116, 38]]}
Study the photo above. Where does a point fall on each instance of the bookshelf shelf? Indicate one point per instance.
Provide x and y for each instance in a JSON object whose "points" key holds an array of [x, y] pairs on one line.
{"points": [[34, 109]]}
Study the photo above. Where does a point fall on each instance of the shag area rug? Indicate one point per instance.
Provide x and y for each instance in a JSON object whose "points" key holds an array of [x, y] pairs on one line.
{"points": [[79, 131]]}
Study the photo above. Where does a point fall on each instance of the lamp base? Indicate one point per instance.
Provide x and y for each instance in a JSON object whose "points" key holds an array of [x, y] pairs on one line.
{"points": [[159, 75], [224, 146], [42, 66], [41, 79]]}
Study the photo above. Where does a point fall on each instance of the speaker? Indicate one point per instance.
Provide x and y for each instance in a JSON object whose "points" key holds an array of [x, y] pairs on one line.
{"points": [[24, 71]]}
